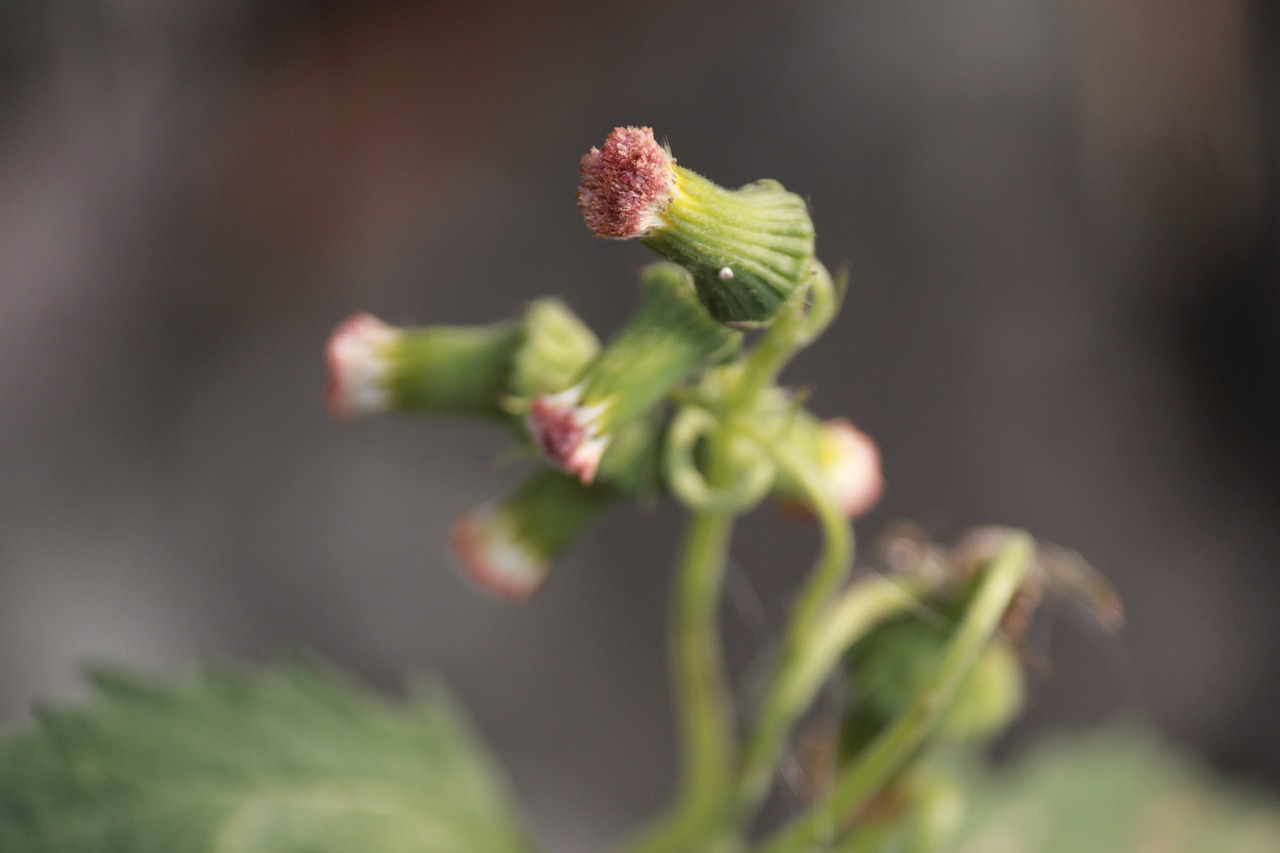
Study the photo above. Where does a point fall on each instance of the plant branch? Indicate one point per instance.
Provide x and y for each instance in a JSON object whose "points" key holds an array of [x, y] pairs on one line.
{"points": [[702, 699], [859, 609], [798, 672], [892, 749]]}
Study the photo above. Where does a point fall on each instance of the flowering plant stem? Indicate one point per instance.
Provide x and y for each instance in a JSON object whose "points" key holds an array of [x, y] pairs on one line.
{"points": [[720, 790], [677, 402], [820, 631], [703, 707], [699, 682], [796, 678], [894, 747], [709, 761]]}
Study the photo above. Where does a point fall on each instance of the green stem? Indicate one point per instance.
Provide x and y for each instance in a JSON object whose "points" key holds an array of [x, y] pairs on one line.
{"points": [[763, 364], [833, 566], [873, 840], [893, 748], [701, 687], [705, 806], [703, 706], [852, 616], [798, 673]]}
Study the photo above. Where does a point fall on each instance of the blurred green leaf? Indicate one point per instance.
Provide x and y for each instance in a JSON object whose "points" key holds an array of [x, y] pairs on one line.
{"points": [[1117, 791], [289, 761]]}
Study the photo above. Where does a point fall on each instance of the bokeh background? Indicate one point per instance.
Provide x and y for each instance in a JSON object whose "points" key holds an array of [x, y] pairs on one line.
{"points": [[1060, 220]]}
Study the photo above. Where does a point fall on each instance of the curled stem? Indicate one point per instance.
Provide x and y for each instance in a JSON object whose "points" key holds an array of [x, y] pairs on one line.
{"points": [[825, 298], [895, 746], [754, 475], [798, 672]]}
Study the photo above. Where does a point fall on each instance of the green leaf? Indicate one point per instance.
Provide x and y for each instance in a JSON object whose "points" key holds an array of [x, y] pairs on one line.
{"points": [[296, 760], [1118, 791]]}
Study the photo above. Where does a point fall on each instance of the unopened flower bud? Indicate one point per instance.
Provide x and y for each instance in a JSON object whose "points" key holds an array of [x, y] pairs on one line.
{"points": [[847, 458], [749, 249], [890, 668], [508, 548], [670, 337], [454, 370]]}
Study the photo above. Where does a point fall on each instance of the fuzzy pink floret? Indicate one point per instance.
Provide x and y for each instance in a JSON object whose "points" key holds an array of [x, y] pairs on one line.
{"points": [[625, 184], [357, 366], [565, 432], [493, 560]]}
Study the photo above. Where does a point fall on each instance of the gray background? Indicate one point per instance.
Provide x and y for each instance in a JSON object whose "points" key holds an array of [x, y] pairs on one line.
{"points": [[1061, 224]]}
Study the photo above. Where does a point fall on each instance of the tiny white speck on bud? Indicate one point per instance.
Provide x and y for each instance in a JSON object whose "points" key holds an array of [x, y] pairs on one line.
{"points": [[726, 274]]}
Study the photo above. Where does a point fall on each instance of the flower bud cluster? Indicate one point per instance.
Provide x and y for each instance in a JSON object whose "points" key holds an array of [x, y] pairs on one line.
{"points": [[597, 415]]}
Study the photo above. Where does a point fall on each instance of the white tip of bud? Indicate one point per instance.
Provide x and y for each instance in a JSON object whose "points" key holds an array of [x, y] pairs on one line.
{"points": [[356, 355], [567, 432], [851, 461], [495, 558]]}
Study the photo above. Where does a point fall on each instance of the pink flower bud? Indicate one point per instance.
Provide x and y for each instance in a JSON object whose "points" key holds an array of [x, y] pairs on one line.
{"points": [[495, 558], [851, 461], [568, 432], [357, 358]]}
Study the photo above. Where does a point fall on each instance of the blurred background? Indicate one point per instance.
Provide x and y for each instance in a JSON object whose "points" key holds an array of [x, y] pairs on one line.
{"points": [[1061, 225]]}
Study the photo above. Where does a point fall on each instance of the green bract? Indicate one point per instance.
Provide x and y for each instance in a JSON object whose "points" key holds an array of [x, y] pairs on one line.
{"points": [[668, 339], [749, 250], [452, 370]]}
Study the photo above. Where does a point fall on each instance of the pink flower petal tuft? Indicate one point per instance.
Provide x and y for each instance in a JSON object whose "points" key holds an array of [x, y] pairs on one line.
{"points": [[565, 431], [357, 366], [626, 184], [494, 559]]}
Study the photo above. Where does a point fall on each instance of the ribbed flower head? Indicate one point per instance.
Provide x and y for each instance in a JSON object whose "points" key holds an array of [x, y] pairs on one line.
{"points": [[359, 358], [749, 250], [555, 347]]}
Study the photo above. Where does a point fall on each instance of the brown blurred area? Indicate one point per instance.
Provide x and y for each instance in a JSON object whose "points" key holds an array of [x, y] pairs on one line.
{"points": [[1061, 225]]}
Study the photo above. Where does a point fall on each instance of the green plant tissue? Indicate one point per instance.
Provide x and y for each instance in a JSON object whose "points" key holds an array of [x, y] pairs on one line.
{"points": [[289, 761], [1121, 790]]}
